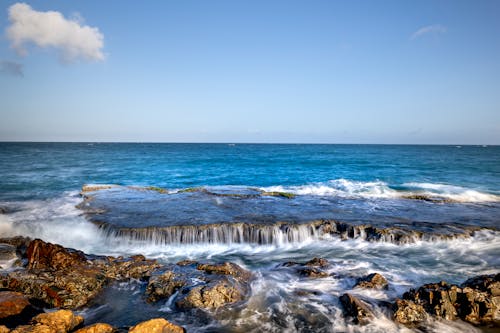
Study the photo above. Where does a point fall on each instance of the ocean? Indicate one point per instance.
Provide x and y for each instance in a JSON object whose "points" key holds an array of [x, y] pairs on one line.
{"points": [[261, 205]]}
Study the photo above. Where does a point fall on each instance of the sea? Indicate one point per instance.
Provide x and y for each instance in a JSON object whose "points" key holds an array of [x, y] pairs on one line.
{"points": [[259, 206]]}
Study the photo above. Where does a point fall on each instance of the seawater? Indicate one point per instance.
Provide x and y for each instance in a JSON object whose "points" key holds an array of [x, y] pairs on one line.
{"points": [[40, 185]]}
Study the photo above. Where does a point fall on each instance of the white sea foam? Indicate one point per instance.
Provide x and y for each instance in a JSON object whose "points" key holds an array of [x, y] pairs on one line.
{"points": [[378, 189]]}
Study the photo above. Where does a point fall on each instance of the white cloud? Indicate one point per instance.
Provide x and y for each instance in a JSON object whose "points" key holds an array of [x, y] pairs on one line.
{"points": [[52, 30], [429, 29]]}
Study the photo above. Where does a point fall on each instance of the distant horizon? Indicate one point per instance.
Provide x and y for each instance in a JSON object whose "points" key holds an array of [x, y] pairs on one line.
{"points": [[265, 143]]}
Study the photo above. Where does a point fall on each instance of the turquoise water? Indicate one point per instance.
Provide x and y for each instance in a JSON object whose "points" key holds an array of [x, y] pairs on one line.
{"points": [[426, 188]]}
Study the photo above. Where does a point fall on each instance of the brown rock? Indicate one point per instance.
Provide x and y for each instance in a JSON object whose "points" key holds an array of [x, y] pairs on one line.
{"points": [[372, 281], [164, 285], [212, 296], [42, 255], [408, 313], [227, 268], [34, 329], [12, 303], [312, 272], [61, 321], [317, 262], [158, 325], [438, 299], [97, 328], [355, 308], [4, 329]]}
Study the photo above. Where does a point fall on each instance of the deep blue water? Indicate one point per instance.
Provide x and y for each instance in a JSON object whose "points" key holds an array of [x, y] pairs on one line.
{"points": [[42, 170]]}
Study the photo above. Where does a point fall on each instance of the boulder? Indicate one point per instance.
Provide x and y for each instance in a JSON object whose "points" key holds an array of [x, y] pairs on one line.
{"points": [[438, 299], [372, 281], [317, 262], [158, 325], [200, 285], [61, 321], [356, 309], [97, 328], [408, 313], [4, 329], [311, 269], [42, 255], [312, 272], [15, 308]]}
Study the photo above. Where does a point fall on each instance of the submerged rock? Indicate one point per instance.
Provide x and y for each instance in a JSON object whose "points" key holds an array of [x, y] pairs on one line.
{"points": [[357, 309], [372, 281], [158, 325], [312, 268], [476, 301], [197, 285]]}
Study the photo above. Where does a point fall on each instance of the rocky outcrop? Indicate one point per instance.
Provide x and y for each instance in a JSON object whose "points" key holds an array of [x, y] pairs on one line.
{"points": [[97, 328], [356, 309], [476, 301], [313, 268], [158, 325], [65, 278], [198, 285], [408, 313], [372, 281]]}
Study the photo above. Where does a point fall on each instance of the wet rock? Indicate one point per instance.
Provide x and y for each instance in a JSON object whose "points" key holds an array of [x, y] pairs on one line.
{"points": [[438, 299], [42, 255], [355, 308], [312, 268], [372, 281], [15, 308], [408, 313], [97, 328], [479, 301], [476, 301], [164, 285], [312, 272], [158, 325], [3, 210], [199, 285], [19, 242], [7, 252], [135, 267]]}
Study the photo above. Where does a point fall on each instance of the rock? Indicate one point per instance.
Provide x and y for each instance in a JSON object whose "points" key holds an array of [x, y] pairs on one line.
{"points": [[476, 301], [15, 308], [3, 210], [42, 255], [438, 299], [317, 262], [33, 329], [7, 252], [19, 242], [158, 325], [97, 328], [479, 301], [372, 281], [312, 272], [164, 285], [408, 313], [4, 329], [199, 285], [355, 308], [61, 321], [135, 267]]}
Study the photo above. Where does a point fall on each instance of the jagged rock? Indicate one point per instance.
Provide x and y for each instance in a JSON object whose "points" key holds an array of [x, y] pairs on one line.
{"points": [[7, 252], [69, 279], [408, 313], [42, 255], [355, 308], [372, 281], [205, 286], [164, 285], [19, 242], [97, 328], [15, 308], [4, 329], [437, 299], [476, 301], [311, 268], [158, 325]]}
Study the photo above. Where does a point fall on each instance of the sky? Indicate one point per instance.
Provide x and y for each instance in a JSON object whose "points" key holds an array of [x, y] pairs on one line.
{"points": [[403, 72]]}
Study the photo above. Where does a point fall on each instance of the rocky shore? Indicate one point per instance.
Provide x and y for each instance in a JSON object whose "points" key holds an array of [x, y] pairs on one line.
{"points": [[47, 283]]}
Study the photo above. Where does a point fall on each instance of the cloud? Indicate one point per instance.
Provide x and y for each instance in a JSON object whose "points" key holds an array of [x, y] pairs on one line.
{"points": [[429, 29], [11, 68], [51, 29]]}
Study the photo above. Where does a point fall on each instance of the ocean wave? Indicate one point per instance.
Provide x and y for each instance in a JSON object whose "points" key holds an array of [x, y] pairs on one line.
{"points": [[379, 189]]}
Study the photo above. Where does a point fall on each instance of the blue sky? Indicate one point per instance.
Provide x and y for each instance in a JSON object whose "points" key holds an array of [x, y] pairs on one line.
{"points": [[258, 71]]}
